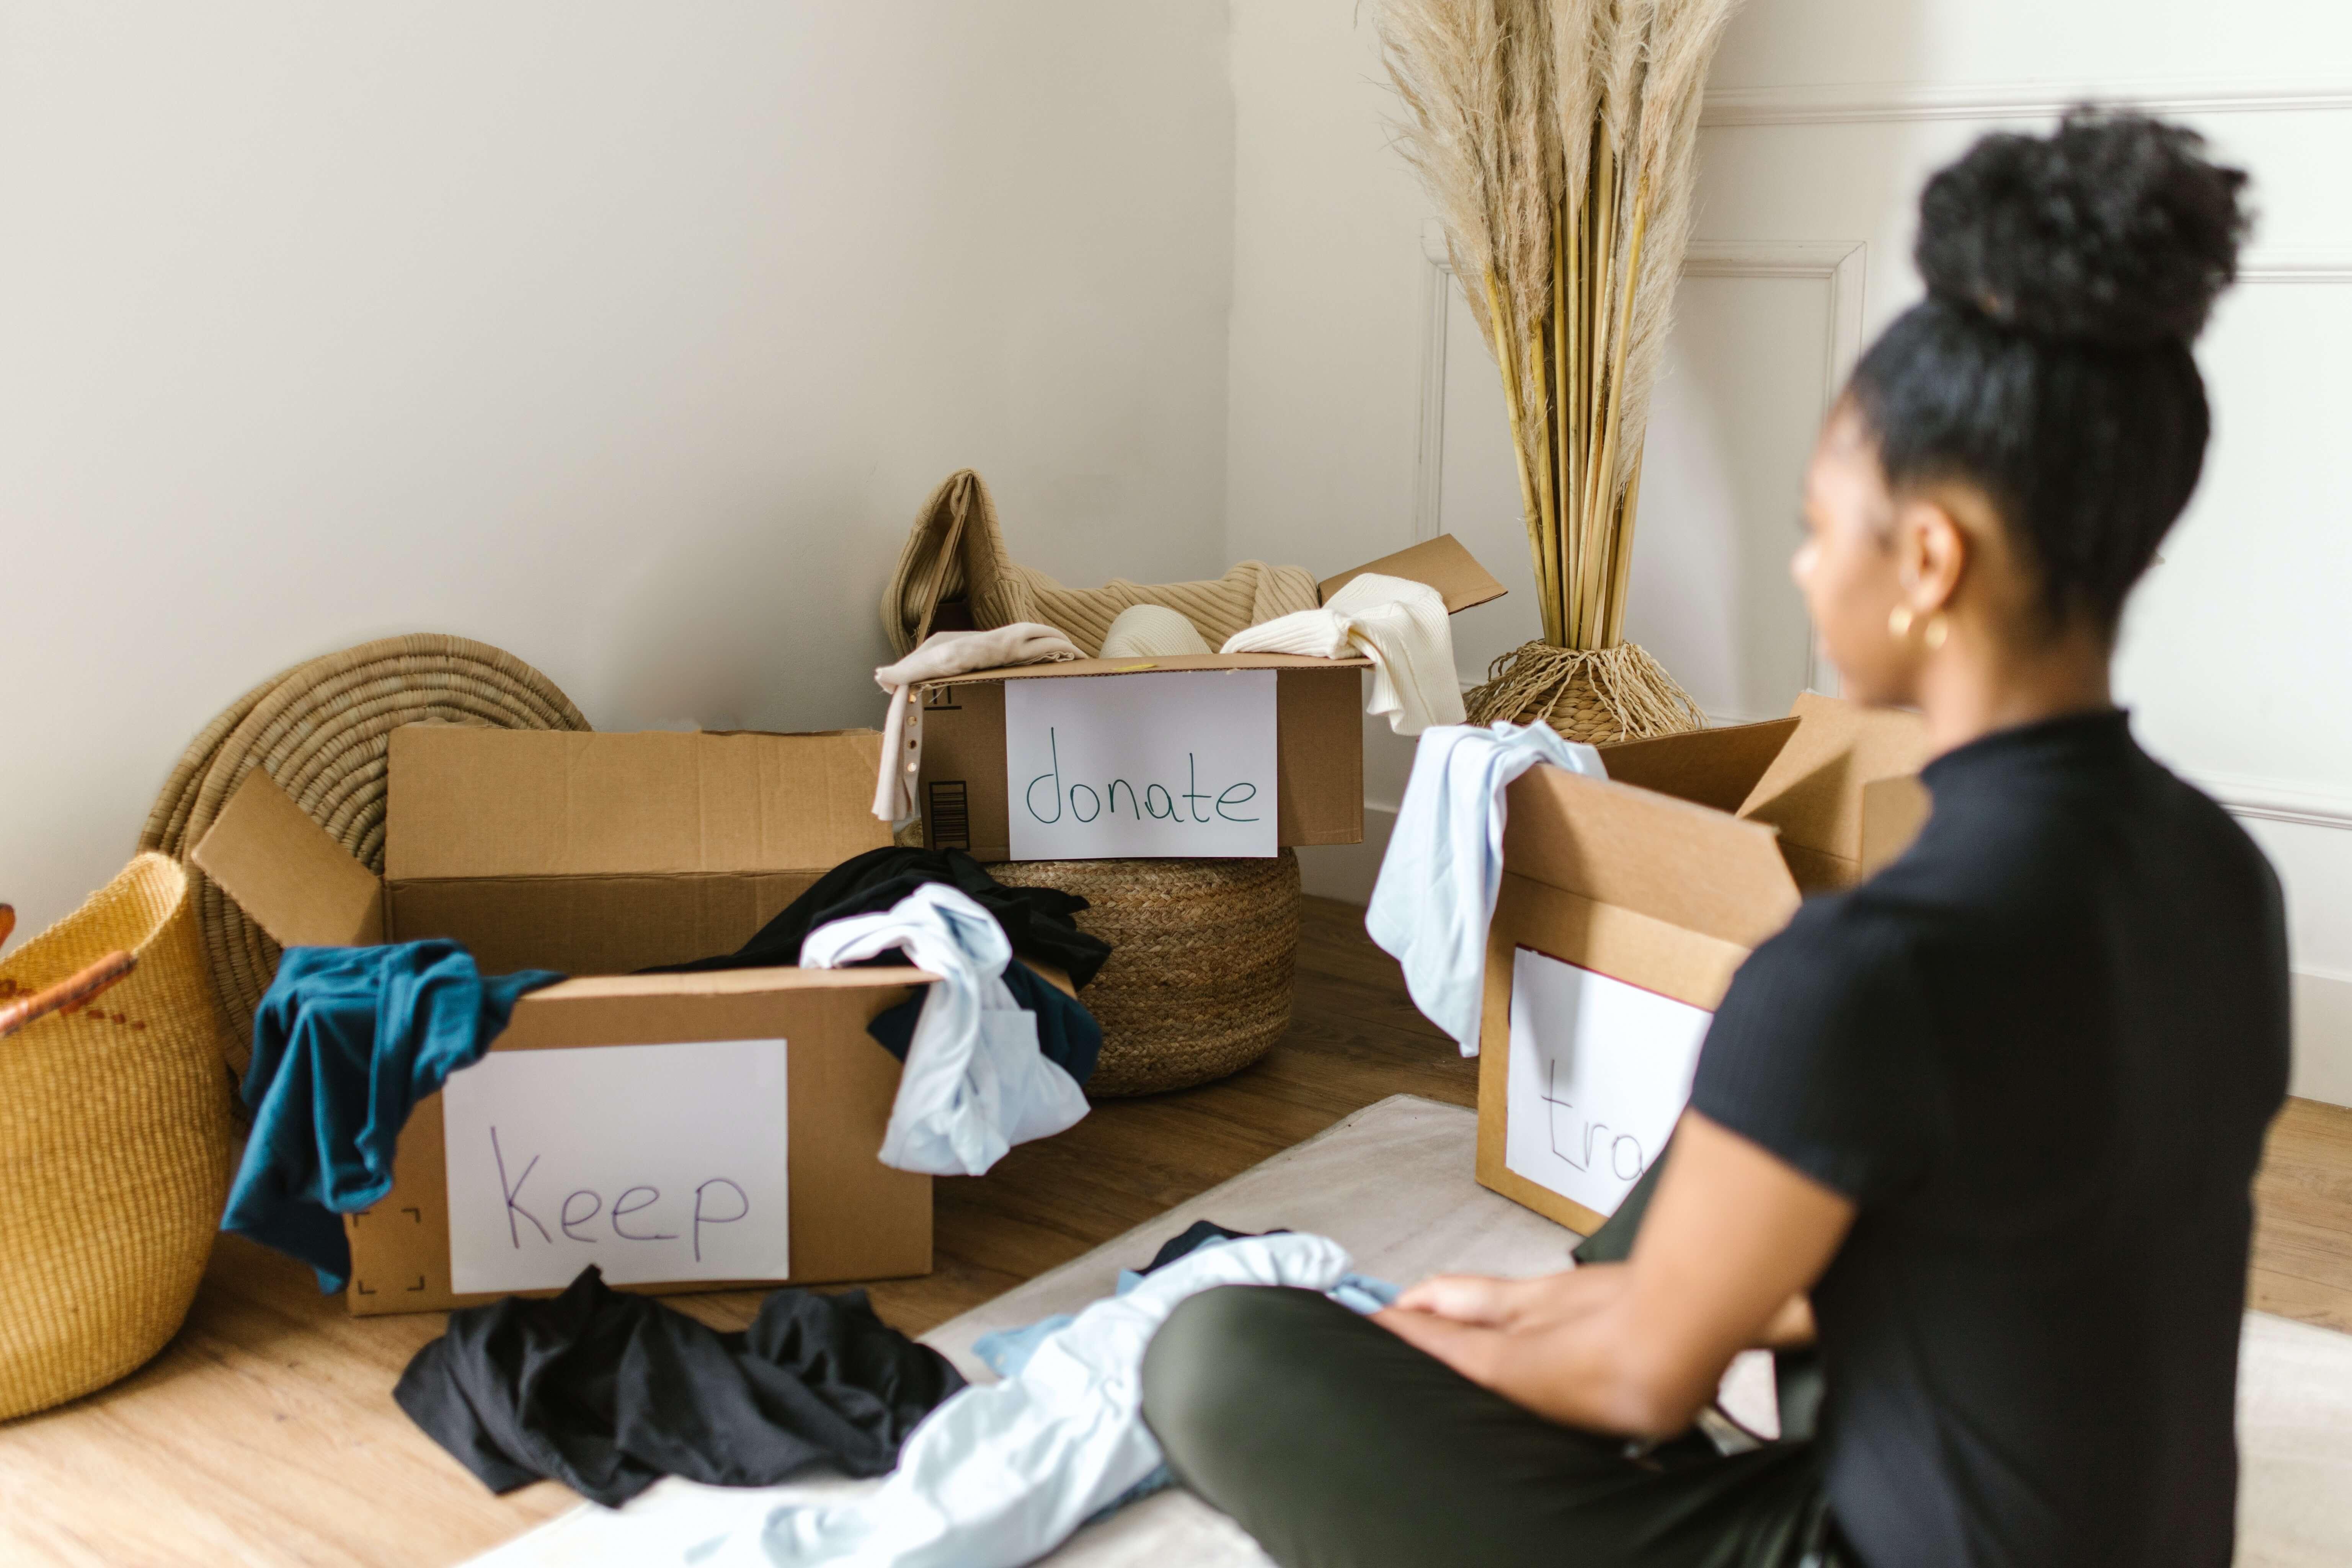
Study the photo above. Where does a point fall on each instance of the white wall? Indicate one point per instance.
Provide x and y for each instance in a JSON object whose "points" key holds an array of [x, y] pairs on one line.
{"points": [[1364, 412], [626, 337]]}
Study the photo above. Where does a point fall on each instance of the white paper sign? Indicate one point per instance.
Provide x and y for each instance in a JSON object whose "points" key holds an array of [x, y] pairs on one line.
{"points": [[1105, 766], [1600, 1071], [655, 1162]]}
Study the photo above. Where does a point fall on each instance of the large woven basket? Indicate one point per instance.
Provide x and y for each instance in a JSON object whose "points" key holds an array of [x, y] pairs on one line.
{"points": [[1203, 956], [114, 1144], [323, 730]]}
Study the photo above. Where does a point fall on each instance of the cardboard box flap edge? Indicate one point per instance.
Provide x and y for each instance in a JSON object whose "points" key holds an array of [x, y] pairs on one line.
{"points": [[1674, 860], [306, 890], [1716, 767], [287, 872], [1442, 562], [1166, 663], [473, 802], [1813, 792]]}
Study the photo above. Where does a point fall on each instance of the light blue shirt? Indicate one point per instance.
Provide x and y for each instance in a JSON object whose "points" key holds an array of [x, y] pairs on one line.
{"points": [[1435, 896]]}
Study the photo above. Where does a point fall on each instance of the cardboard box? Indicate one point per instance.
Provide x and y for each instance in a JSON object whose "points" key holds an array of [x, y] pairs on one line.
{"points": [[597, 855], [1319, 721], [1652, 886]]}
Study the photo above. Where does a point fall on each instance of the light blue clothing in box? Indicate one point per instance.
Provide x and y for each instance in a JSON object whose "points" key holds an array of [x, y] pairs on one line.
{"points": [[1435, 895]]}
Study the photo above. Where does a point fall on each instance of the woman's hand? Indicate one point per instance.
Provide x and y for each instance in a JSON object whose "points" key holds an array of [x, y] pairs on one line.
{"points": [[1488, 1302], [1733, 1239]]}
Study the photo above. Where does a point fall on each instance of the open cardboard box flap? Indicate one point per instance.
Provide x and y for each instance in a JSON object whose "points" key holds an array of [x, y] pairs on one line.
{"points": [[586, 853], [1442, 562], [594, 854], [549, 802]]}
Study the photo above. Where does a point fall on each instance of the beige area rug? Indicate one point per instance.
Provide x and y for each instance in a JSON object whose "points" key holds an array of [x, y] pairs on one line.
{"points": [[1393, 1185]]}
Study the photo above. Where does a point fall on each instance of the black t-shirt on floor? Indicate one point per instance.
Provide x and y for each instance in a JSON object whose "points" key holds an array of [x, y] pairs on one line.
{"points": [[2038, 1052]]}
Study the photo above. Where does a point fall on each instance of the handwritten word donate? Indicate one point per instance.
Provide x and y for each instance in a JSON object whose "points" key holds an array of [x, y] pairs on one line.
{"points": [[1155, 801]]}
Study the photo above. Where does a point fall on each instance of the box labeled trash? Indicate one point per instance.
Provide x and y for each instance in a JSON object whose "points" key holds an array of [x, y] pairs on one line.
{"points": [[1192, 754], [1626, 905], [682, 1132]]}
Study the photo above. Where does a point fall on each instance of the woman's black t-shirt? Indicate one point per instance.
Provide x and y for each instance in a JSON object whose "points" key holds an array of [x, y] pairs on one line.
{"points": [[2038, 1053]]}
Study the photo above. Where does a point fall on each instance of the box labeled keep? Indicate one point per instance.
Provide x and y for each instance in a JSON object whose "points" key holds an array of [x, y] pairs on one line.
{"points": [[1626, 906], [1191, 754], [682, 1119]]}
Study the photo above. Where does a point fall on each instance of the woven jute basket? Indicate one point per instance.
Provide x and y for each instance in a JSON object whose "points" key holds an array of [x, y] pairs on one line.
{"points": [[1203, 956], [114, 1143], [322, 731]]}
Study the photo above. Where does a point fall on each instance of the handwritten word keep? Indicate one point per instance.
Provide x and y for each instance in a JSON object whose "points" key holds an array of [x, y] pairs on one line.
{"points": [[634, 1213]]}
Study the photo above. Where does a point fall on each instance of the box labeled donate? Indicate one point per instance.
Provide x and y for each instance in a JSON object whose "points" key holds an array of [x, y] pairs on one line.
{"points": [[1627, 904], [679, 1131], [1187, 755]]}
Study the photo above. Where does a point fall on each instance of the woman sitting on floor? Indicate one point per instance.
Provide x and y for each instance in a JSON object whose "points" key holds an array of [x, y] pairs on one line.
{"points": [[1989, 1120]]}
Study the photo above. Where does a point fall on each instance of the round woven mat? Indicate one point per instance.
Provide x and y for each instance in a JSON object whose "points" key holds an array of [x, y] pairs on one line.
{"points": [[1203, 956], [321, 730]]}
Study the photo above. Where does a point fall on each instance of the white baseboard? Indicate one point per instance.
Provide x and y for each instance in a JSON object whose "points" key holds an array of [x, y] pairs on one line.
{"points": [[1346, 871], [2323, 1003], [2322, 1038]]}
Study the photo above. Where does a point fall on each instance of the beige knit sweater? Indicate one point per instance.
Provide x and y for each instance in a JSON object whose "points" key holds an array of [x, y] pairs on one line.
{"points": [[957, 551]]}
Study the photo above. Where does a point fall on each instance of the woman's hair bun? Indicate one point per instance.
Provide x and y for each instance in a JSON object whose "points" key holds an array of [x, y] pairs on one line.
{"points": [[2115, 229]]}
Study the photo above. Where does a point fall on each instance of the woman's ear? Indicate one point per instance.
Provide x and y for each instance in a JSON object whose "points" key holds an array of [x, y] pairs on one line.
{"points": [[1931, 553]]}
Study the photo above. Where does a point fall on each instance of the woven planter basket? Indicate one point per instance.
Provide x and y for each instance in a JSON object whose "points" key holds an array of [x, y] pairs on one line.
{"points": [[1203, 956], [114, 1144], [322, 729], [1597, 696]]}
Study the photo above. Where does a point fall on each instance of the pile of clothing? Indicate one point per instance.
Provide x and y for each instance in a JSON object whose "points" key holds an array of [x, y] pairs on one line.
{"points": [[993, 1476]]}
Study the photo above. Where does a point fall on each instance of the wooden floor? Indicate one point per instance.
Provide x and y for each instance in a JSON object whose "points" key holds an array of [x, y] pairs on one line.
{"points": [[266, 1433]]}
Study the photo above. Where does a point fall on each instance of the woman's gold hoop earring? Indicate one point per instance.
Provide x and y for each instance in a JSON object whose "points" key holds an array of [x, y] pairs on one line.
{"points": [[1934, 633], [1899, 622]]}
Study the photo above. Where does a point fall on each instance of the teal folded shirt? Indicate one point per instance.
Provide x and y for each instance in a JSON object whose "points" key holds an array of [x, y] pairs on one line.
{"points": [[345, 1043]]}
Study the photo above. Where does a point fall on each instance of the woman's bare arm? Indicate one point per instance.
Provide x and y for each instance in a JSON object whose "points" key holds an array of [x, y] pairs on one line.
{"points": [[1733, 1239]]}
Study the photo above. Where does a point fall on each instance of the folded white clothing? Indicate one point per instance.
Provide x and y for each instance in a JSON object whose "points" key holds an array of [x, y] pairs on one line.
{"points": [[1435, 894], [1000, 1476], [938, 656], [1151, 631], [943, 654], [1400, 625], [975, 1083]]}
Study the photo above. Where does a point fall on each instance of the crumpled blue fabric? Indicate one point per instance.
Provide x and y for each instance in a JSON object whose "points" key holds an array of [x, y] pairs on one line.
{"points": [[345, 1043], [1007, 1351], [1435, 897]]}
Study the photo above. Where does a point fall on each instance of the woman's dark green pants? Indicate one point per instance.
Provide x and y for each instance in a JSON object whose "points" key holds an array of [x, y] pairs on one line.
{"points": [[1335, 1442]]}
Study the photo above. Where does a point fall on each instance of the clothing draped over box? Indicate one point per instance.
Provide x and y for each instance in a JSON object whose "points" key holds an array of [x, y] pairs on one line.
{"points": [[345, 1042], [975, 1083], [1400, 625], [1067, 1034], [1435, 894], [607, 1392], [943, 654]]}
